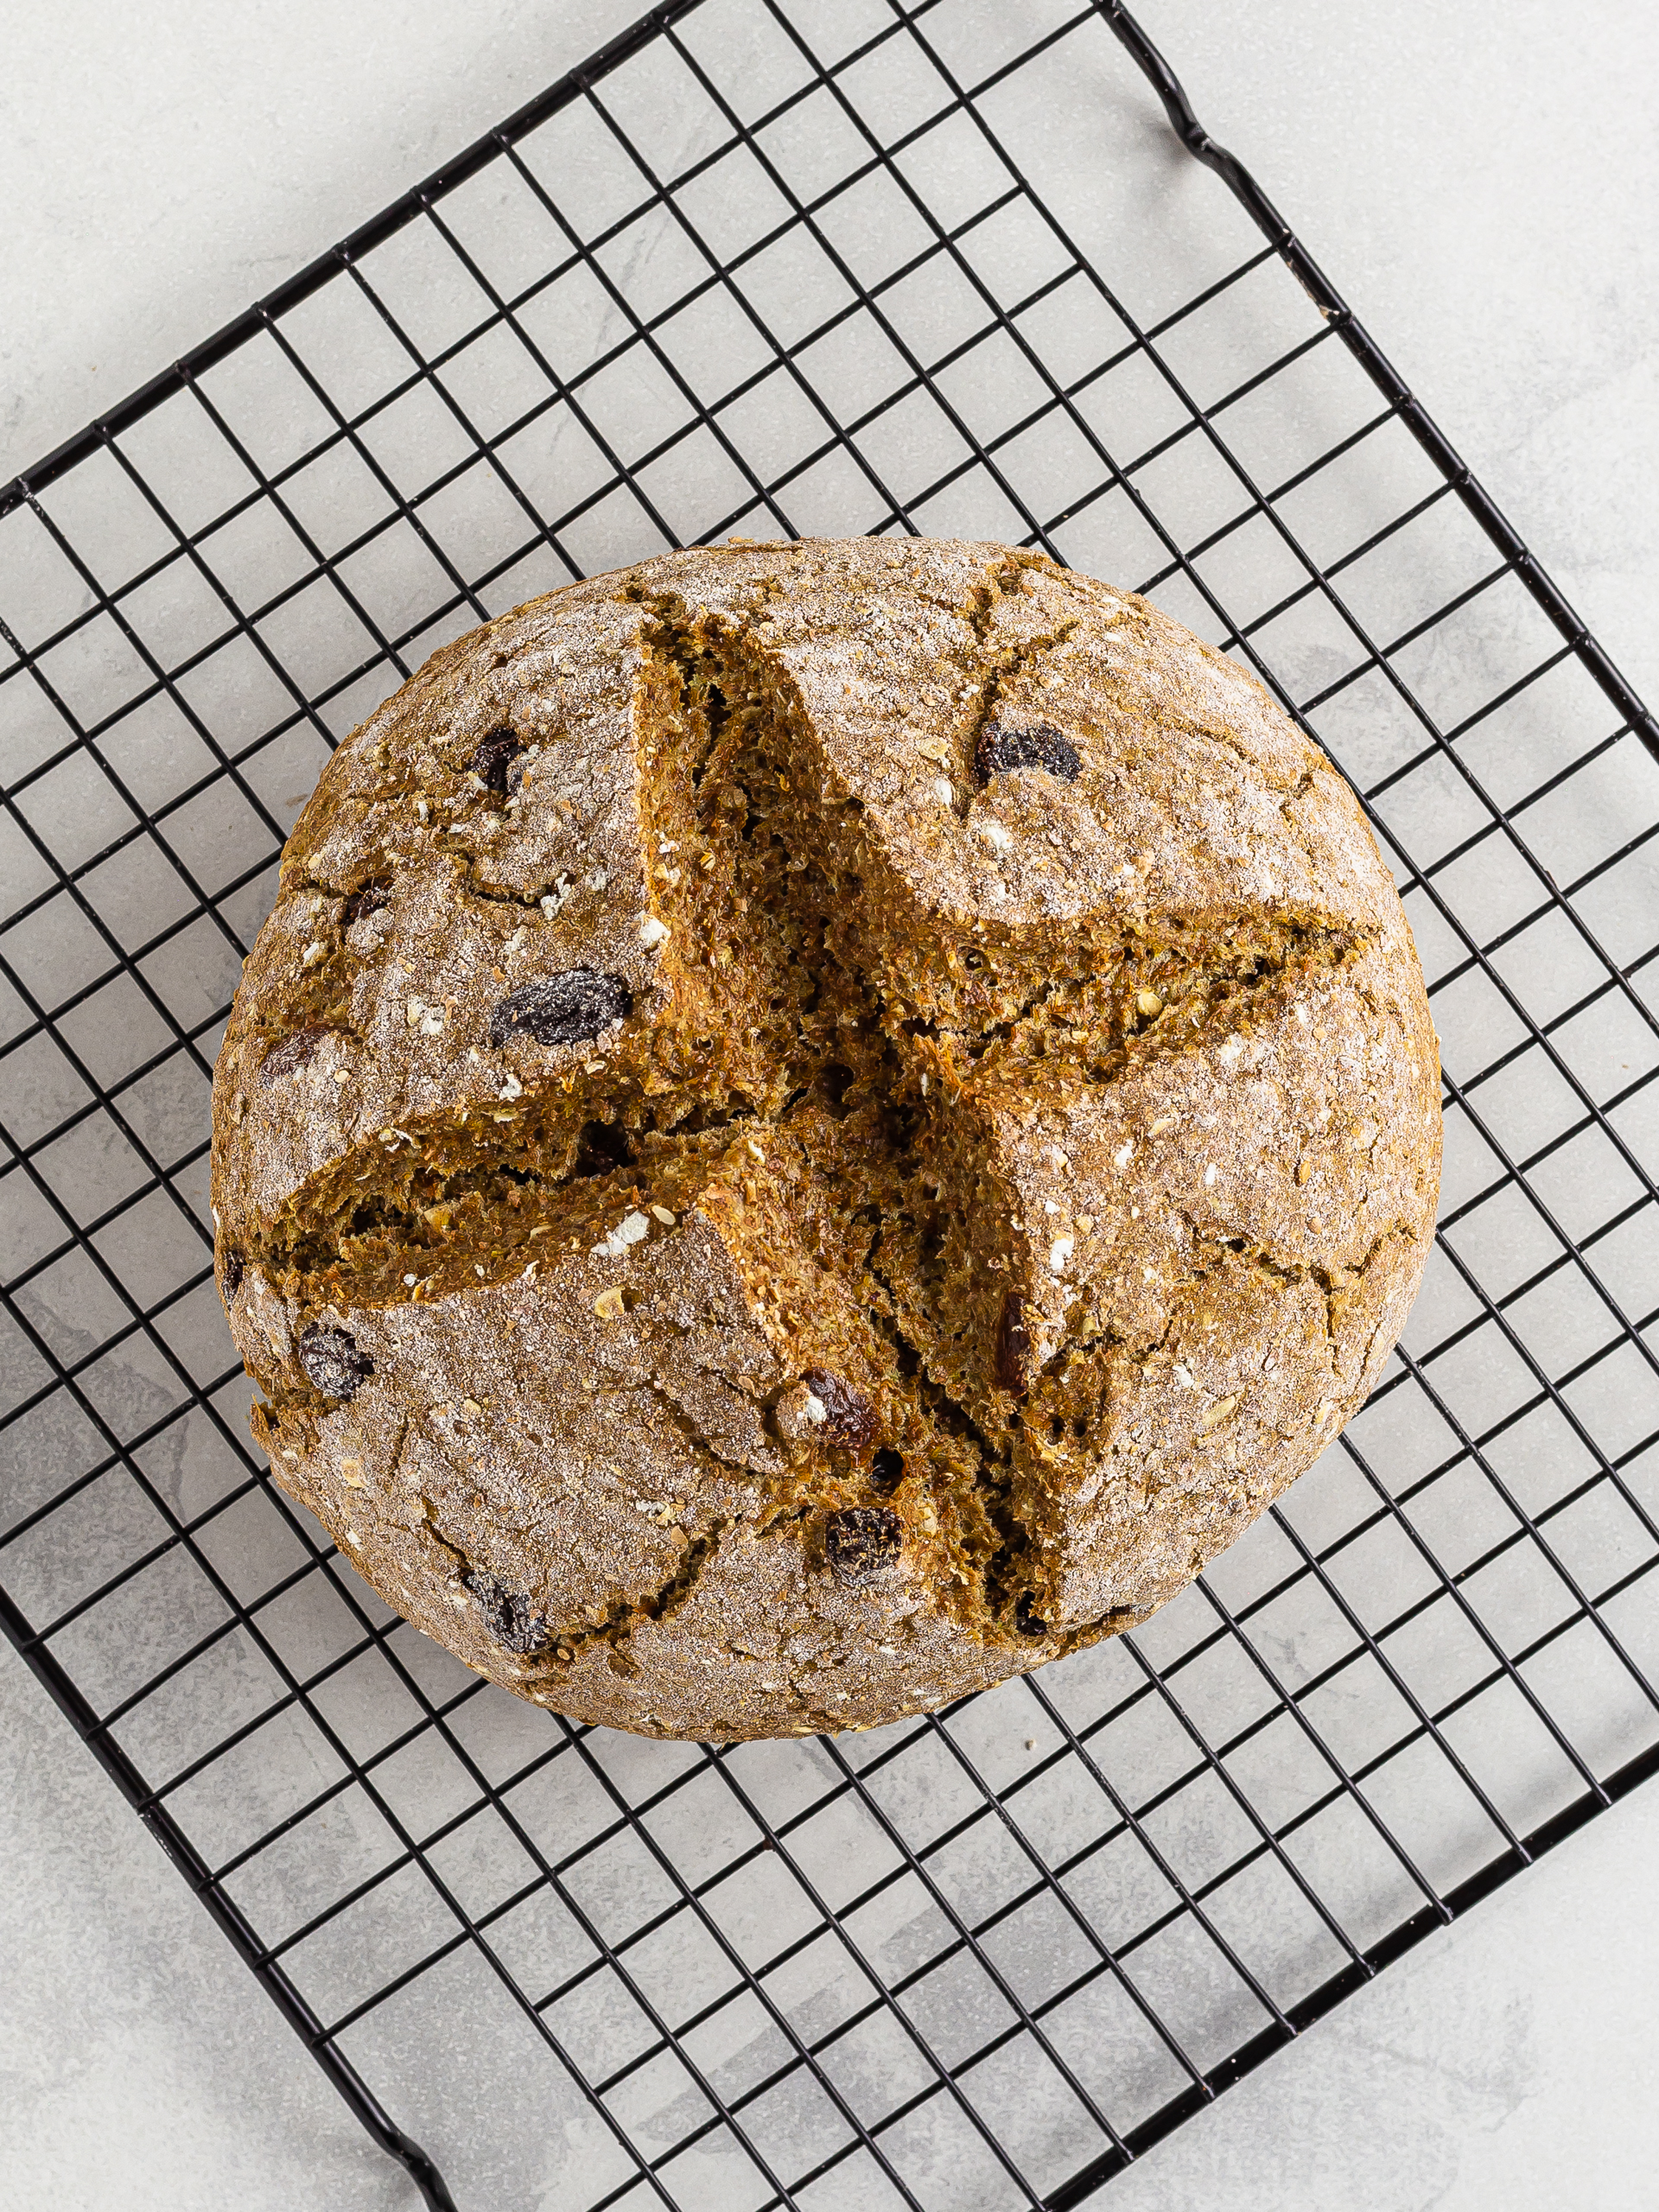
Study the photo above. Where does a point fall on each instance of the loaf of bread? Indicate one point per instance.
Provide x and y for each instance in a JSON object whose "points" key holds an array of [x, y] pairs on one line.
{"points": [[815, 1126]]}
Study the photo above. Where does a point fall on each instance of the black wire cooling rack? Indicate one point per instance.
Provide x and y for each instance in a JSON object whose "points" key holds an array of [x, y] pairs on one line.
{"points": [[779, 266]]}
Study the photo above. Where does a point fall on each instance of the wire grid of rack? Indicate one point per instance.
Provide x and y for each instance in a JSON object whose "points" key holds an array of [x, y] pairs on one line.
{"points": [[772, 267]]}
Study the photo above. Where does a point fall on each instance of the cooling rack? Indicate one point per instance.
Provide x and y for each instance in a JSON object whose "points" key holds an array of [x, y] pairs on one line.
{"points": [[768, 267]]}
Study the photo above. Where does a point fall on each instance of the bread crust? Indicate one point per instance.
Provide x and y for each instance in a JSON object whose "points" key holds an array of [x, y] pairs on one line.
{"points": [[814, 1126]]}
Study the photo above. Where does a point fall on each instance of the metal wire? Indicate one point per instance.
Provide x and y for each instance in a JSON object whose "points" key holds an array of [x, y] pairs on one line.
{"points": [[763, 266]]}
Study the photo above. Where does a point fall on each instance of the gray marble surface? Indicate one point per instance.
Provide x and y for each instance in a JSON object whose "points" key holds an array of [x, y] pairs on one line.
{"points": [[1485, 188]]}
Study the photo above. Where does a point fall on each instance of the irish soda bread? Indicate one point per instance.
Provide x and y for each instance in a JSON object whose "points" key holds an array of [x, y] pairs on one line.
{"points": [[815, 1125]]}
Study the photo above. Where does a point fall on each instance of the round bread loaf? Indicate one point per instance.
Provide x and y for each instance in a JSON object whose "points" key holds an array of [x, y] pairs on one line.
{"points": [[815, 1126]]}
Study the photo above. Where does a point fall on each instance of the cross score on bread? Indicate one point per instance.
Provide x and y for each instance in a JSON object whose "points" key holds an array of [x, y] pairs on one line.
{"points": [[814, 1126]]}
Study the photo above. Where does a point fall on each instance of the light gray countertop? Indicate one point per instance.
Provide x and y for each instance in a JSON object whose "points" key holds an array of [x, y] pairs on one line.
{"points": [[1483, 183]]}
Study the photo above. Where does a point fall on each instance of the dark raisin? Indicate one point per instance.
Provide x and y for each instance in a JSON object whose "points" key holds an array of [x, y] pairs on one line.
{"points": [[861, 1542], [563, 1009], [230, 1273], [603, 1149], [509, 1615], [334, 1361], [848, 1416], [1025, 1620], [293, 1053], [1013, 1346], [887, 1471], [493, 758], [1036, 744], [368, 899]]}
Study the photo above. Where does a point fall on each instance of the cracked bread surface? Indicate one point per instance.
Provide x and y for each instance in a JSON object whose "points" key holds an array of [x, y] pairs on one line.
{"points": [[816, 1125]]}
